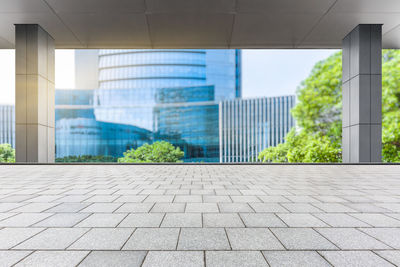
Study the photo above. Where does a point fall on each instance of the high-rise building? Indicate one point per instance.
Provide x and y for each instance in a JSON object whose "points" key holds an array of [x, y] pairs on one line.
{"points": [[79, 133], [7, 125], [188, 117], [248, 126], [170, 93], [130, 79]]}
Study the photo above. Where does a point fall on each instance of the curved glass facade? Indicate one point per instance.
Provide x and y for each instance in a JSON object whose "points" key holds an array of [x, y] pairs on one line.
{"points": [[79, 133], [140, 69], [171, 93], [129, 79], [136, 87]]}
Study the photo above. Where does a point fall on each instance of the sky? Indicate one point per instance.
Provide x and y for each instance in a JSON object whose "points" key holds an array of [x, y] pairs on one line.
{"points": [[264, 72], [277, 72]]}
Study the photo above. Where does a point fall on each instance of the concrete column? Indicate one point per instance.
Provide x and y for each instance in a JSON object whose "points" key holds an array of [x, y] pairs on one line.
{"points": [[362, 94], [34, 94]]}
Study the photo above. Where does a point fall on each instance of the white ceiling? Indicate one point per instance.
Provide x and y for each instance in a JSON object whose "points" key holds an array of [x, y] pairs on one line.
{"points": [[200, 23]]}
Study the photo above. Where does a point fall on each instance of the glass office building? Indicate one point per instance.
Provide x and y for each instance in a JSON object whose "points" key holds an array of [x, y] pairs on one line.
{"points": [[188, 117], [79, 133], [141, 88], [130, 79], [248, 126]]}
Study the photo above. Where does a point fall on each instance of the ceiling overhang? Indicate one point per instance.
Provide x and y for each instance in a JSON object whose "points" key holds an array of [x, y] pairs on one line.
{"points": [[200, 23]]}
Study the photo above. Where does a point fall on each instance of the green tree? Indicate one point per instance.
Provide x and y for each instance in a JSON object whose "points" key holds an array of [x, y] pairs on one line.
{"points": [[87, 158], [159, 151], [7, 153], [318, 115], [303, 147]]}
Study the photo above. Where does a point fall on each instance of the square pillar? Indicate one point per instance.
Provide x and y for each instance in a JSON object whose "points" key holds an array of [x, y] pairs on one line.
{"points": [[34, 94], [362, 94]]}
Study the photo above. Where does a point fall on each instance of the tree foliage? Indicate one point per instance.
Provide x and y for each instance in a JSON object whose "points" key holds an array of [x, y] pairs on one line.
{"points": [[160, 151], [318, 110], [302, 147], [391, 106], [7, 153], [87, 158]]}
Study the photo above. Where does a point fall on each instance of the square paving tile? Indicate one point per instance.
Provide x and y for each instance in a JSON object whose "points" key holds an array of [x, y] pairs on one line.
{"points": [[159, 199], [153, 239], [392, 256], [130, 198], [142, 220], [54, 258], [302, 199], [216, 199], [261, 220], [182, 220], [222, 220], [267, 207], [101, 198], [302, 239], [235, 207], [300, 207], [295, 259], [350, 238], [201, 207], [9, 237], [340, 220], [394, 215], [203, 239], [35, 207], [103, 239], [390, 236], [188, 199], [271, 199], [301, 220], [6, 215], [135, 207], [245, 199], [377, 220], [394, 207], [9, 258], [333, 207], [102, 207], [168, 207], [102, 220], [4, 207], [174, 259], [366, 207], [114, 259], [235, 259], [62, 220], [354, 258], [74, 199], [252, 239], [24, 219], [69, 207], [53, 238]]}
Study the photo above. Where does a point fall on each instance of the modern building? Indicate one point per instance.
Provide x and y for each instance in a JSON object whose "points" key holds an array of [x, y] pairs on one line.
{"points": [[188, 117], [172, 93], [7, 125], [248, 126], [130, 79], [79, 133]]}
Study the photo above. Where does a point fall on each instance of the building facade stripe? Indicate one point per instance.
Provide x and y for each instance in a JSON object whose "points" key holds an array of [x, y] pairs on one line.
{"points": [[251, 125]]}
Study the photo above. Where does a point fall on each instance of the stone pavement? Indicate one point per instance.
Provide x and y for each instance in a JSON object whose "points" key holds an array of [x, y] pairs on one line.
{"points": [[193, 215]]}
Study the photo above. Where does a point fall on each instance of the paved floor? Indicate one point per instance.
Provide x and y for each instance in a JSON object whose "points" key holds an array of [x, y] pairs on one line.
{"points": [[199, 215]]}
